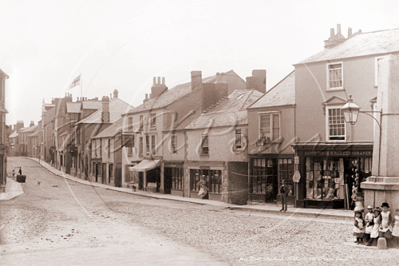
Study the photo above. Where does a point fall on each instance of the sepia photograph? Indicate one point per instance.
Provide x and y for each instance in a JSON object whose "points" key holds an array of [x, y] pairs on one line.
{"points": [[199, 132]]}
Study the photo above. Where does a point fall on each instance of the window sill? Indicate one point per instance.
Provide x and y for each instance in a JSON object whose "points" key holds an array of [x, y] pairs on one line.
{"points": [[335, 89], [204, 154]]}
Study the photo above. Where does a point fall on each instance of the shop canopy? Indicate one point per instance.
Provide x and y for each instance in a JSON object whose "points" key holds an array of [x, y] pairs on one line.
{"points": [[145, 165]]}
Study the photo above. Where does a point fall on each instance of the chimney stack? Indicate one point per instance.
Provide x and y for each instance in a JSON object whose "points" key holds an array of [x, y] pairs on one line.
{"points": [[32, 123], [158, 88], [105, 115], [338, 29], [336, 39], [116, 93], [257, 81], [196, 79], [349, 32]]}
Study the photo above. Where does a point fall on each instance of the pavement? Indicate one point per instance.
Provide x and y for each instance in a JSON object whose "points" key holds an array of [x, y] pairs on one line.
{"points": [[267, 207], [13, 189]]}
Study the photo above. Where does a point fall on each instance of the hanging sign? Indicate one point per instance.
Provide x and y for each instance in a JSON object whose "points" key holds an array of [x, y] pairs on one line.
{"points": [[297, 177]]}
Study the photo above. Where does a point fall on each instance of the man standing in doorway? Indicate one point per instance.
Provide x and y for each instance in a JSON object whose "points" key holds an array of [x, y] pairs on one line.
{"points": [[283, 193]]}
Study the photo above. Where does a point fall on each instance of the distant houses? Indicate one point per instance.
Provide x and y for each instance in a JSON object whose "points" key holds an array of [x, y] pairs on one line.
{"points": [[238, 137]]}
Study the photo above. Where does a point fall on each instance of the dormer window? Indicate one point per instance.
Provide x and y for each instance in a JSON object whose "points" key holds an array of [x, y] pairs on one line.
{"points": [[335, 77]]}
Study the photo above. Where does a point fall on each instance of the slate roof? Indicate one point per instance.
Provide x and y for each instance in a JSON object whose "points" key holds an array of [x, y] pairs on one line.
{"points": [[229, 112], [172, 95], [116, 108], [91, 104], [110, 131], [283, 93], [14, 135], [368, 43], [73, 107], [28, 129]]}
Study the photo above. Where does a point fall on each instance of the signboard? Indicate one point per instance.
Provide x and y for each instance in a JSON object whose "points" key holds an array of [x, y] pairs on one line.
{"points": [[338, 153], [127, 140]]}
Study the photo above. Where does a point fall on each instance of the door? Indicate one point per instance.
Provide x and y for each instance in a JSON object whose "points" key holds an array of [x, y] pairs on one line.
{"points": [[168, 179], [104, 173], [118, 175], [271, 180]]}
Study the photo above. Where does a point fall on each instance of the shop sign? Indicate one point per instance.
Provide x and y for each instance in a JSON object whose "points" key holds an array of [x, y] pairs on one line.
{"points": [[338, 153]]}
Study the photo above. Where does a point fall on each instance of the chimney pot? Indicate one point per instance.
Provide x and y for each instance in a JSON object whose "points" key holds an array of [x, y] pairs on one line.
{"points": [[146, 96], [338, 29], [332, 32], [163, 80], [349, 32]]}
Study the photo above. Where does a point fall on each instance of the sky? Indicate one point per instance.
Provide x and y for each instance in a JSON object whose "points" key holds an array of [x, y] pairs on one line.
{"points": [[121, 44]]}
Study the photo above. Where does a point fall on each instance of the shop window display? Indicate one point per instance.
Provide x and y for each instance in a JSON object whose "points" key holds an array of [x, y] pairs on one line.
{"points": [[177, 178], [213, 179], [335, 178]]}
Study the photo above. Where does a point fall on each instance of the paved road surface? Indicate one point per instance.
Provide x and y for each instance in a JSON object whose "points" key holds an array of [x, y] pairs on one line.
{"points": [[59, 222]]}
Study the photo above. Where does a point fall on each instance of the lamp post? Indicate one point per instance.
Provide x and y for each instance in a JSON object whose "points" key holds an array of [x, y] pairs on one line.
{"points": [[351, 112]]}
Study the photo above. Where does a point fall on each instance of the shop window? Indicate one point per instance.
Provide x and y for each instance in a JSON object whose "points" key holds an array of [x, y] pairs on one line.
{"points": [[177, 178], [323, 178], [204, 145], [238, 144], [270, 126], [262, 176], [213, 179], [336, 124], [335, 79], [286, 172]]}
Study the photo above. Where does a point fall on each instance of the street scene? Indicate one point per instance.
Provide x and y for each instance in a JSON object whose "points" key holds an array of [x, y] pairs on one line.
{"points": [[61, 222], [199, 132]]}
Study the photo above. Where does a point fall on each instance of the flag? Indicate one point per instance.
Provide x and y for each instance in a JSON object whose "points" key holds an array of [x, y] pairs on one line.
{"points": [[75, 82]]}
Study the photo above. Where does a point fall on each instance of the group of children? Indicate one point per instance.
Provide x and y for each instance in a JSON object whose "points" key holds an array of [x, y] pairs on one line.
{"points": [[376, 223]]}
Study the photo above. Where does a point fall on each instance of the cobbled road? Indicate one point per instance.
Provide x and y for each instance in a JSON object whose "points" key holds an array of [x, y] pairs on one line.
{"points": [[61, 222]]}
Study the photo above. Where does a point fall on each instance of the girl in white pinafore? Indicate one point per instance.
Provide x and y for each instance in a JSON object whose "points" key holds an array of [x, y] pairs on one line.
{"points": [[368, 218], [386, 222], [395, 232], [376, 227]]}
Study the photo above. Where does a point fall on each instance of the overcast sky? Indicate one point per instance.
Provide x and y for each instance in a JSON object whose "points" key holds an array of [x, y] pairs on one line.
{"points": [[122, 45]]}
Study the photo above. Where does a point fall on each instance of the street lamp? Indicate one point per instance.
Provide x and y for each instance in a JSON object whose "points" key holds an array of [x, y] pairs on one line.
{"points": [[351, 111]]}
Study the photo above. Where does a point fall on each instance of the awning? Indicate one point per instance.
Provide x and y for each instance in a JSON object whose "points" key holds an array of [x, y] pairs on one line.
{"points": [[145, 165]]}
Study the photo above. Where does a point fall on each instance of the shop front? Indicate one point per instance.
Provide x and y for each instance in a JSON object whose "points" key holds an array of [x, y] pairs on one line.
{"points": [[213, 178], [331, 175], [174, 178], [146, 175], [265, 176]]}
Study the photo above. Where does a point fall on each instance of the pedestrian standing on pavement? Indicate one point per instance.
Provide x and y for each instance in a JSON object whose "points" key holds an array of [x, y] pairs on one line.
{"points": [[283, 193], [203, 193], [20, 171]]}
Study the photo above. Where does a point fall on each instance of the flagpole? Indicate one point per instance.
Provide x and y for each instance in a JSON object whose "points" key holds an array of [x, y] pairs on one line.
{"points": [[81, 86]]}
